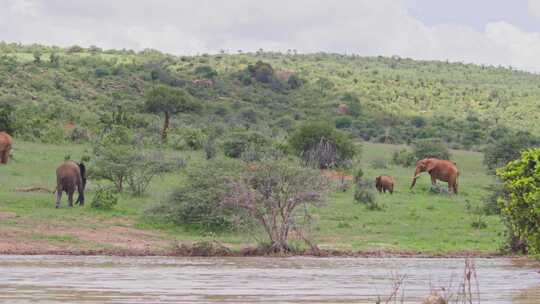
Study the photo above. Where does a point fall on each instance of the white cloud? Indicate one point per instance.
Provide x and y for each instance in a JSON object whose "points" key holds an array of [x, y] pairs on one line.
{"points": [[364, 27], [534, 8]]}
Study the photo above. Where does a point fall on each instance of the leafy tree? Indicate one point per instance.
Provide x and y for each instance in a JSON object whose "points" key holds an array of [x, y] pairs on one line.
{"points": [[521, 207], [321, 145], [163, 99]]}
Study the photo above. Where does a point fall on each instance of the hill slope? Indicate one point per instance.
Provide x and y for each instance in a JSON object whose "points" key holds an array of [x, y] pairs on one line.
{"points": [[383, 99]]}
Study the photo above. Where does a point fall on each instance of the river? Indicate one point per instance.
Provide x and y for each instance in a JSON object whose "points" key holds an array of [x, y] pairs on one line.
{"points": [[101, 279]]}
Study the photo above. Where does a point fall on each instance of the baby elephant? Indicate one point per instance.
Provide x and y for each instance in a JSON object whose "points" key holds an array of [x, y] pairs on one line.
{"points": [[384, 183], [70, 176]]}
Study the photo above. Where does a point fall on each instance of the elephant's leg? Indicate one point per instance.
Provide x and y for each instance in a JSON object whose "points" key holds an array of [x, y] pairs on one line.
{"points": [[70, 197], [454, 187], [3, 157], [58, 197], [433, 180]]}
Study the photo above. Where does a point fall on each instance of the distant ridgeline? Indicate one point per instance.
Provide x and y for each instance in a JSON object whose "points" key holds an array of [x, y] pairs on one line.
{"points": [[53, 94]]}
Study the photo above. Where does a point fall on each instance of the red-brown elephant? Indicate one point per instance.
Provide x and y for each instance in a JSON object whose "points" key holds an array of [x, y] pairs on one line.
{"points": [[5, 147], [384, 183], [439, 169]]}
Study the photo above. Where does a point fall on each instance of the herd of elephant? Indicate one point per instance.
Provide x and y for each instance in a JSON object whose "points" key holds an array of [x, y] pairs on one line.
{"points": [[438, 169], [71, 176]]}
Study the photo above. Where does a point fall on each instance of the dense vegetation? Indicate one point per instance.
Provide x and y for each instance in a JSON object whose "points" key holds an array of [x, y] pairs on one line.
{"points": [[54, 95]]}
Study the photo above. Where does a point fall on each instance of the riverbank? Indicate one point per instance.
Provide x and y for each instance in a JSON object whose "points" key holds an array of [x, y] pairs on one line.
{"points": [[412, 223]]}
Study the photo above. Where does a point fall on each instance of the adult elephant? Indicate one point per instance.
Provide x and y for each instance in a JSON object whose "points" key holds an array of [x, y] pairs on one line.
{"points": [[439, 169], [5, 147], [70, 176], [384, 183]]}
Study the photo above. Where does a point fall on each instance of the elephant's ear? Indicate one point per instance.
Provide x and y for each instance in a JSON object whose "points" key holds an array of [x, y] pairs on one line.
{"points": [[430, 165]]}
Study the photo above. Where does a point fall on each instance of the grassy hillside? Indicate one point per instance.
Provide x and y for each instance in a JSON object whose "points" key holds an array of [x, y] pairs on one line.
{"points": [[413, 221], [392, 100]]}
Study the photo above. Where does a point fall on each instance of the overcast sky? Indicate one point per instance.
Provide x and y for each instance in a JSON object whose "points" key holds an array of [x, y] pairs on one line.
{"points": [[499, 32]]}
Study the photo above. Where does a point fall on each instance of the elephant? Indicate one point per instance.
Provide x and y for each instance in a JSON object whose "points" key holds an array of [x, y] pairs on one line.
{"points": [[5, 147], [70, 176], [384, 183], [439, 169]]}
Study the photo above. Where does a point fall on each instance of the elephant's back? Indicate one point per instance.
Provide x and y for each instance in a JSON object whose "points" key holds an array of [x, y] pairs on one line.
{"points": [[68, 169], [5, 139]]}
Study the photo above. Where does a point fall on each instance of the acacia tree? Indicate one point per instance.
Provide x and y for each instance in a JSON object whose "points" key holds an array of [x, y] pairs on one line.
{"points": [[277, 194], [169, 101]]}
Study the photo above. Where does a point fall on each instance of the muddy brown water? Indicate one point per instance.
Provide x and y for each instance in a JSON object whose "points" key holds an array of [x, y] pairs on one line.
{"points": [[99, 279]]}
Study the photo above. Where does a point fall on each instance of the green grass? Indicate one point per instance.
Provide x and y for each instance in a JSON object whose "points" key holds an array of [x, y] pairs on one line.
{"points": [[411, 221]]}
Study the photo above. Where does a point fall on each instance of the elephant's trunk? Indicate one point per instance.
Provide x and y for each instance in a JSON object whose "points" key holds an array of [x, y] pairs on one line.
{"points": [[416, 175]]}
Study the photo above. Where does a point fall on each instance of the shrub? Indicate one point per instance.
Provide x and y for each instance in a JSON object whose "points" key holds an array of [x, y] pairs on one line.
{"points": [[196, 202], [491, 200], [379, 164], [521, 207], [368, 198], [190, 138], [124, 164], [105, 198], [7, 117], [239, 142], [205, 71], [321, 145], [149, 165], [210, 149], [261, 71], [343, 122], [431, 148], [277, 194], [403, 158], [358, 174], [506, 149]]}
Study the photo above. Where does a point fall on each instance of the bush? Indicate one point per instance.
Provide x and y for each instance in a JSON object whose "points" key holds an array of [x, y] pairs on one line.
{"points": [[7, 117], [261, 71], [491, 200], [210, 149], [149, 165], [368, 198], [278, 195], [321, 145], [364, 194], [521, 207], [105, 198], [403, 158], [343, 122], [239, 142], [205, 71], [124, 164], [190, 138], [431, 148], [196, 202], [379, 164], [506, 149]]}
